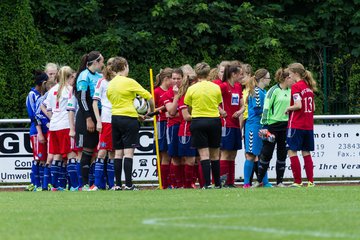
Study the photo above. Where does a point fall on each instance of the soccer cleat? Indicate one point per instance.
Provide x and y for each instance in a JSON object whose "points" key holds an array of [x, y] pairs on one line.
{"points": [[208, 187], [257, 185], [53, 189], [37, 189], [60, 189], [132, 188], [229, 186], [268, 185], [296, 185], [29, 188], [115, 188], [280, 185], [310, 185], [85, 188], [74, 189], [49, 187], [93, 188], [193, 186], [247, 185], [223, 179]]}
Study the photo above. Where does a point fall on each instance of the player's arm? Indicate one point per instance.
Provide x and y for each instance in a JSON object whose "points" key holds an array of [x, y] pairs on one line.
{"points": [[241, 110], [97, 114], [186, 114], [71, 113], [297, 103]]}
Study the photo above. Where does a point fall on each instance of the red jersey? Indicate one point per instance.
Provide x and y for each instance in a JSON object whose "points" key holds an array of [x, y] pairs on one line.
{"points": [[159, 102], [304, 117], [231, 103], [169, 98], [217, 81], [184, 129]]}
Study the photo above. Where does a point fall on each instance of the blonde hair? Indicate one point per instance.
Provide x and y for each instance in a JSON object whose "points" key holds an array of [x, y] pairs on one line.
{"points": [[223, 64], [281, 74], [107, 73], [214, 74], [118, 64], [202, 70], [62, 77], [304, 74], [247, 69], [49, 66], [164, 73], [259, 74]]}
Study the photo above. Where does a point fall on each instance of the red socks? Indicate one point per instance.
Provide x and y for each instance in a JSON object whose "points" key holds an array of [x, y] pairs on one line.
{"points": [[228, 168], [231, 176], [224, 168], [296, 169], [189, 172], [309, 168], [165, 170]]}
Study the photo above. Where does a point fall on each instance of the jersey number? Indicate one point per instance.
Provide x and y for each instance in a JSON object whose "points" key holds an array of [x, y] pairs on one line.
{"points": [[308, 104]]}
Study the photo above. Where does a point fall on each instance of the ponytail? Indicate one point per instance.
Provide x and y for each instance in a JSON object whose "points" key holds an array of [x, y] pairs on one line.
{"points": [[229, 70], [166, 72], [310, 80], [304, 74], [87, 60]]}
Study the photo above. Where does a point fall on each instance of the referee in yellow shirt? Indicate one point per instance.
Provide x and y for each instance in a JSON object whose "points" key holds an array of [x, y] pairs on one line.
{"points": [[204, 98], [125, 125]]}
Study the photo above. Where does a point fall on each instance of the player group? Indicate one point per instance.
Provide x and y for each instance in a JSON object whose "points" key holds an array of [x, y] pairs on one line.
{"points": [[85, 124]]}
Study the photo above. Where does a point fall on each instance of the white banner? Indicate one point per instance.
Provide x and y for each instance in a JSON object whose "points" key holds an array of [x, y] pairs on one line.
{"points": [[337, 154]]}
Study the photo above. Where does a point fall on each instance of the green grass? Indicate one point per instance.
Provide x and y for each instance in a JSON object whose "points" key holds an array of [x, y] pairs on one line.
{"points": [[317, 213]]}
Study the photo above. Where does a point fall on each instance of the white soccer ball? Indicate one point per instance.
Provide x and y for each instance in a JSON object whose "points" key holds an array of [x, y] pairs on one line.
{"points": [[140, 105]]}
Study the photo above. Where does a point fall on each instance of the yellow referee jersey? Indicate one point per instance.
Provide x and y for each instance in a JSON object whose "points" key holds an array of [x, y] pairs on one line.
{"points": [[204, 97], [121, 93]]}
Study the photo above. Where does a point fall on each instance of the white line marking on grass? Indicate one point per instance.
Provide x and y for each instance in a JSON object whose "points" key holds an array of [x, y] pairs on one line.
{"points": [[277, 231]]}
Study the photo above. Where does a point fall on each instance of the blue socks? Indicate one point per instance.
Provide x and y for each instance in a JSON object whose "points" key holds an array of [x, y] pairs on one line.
{"points": [[47, 177], [73, 174], [248, 168], [62, 176], [110, 172], [99, 172], [55, 173], [35, 176], [78, 169]]}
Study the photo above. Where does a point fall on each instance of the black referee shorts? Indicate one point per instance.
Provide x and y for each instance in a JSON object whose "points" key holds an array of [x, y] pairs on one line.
{"points": [[84, 138], [125, 132], [205, 132]]}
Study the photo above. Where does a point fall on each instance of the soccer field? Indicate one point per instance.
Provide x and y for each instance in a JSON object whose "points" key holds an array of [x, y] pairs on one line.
{"points": [[278, 213]]}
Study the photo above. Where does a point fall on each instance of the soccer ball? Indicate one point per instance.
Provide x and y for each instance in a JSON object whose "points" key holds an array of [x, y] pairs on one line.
{"points": [[140, 105]]}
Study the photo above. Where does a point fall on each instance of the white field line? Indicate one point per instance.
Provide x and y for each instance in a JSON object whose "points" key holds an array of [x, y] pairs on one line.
{"points": [[276, 231]]}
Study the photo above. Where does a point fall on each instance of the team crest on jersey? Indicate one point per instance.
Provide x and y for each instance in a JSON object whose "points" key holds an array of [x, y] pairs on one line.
{"points": [[235, 99]]}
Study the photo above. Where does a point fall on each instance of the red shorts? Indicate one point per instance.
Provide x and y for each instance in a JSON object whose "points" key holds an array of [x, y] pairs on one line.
{"points": [[59, 142], [105, 137], [42, 149], [34, 146]]}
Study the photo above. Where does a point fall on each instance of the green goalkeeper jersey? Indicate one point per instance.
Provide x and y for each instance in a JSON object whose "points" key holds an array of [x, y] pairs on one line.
{"points": [[277, 100]]}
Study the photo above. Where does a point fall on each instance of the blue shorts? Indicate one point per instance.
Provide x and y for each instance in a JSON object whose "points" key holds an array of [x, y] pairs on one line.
{"points": [[300, 140], [185, 149], [231, 139], [173, 140], [253, 143], [161, 129]]}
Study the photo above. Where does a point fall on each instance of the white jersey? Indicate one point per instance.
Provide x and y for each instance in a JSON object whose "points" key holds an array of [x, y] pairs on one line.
{"points": [[100, 95], [59, 109]]}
